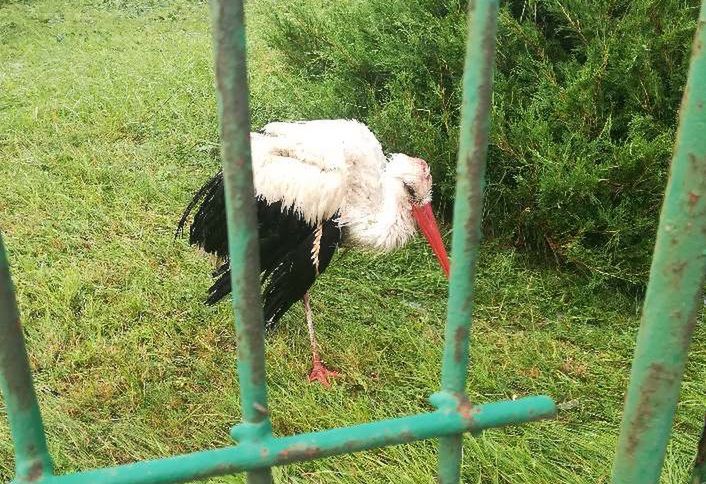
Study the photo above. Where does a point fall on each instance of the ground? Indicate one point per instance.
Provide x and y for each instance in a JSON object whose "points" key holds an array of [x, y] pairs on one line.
{"points": [[107, 124]]}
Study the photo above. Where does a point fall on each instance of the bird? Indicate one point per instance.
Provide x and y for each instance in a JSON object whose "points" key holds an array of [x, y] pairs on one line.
{"points": [[320, 185]]}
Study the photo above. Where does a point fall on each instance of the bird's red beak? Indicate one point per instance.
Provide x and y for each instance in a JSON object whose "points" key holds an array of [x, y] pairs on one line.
{"points": [[427, 223]]}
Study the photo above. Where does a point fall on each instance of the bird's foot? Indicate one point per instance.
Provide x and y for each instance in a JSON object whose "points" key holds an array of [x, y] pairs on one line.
{"points": [[322, 374]]}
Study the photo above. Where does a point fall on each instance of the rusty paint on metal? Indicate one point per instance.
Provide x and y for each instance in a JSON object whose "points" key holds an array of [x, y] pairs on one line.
{"points": [[12, 364], [254, 456], [302, 452], [466, 409], [240, 204], [657, 375], [32, 460], [693, 198], [460, 343], [468, 211], [302, 447], [234, 114], [35, 471], [674, 293]]}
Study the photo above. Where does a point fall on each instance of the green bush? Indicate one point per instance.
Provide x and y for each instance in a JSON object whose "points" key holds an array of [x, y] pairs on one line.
{"points": [[584, 107]]}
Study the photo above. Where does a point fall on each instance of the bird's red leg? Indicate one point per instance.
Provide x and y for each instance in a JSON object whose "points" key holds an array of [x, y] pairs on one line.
{"points": [[319, 372]]}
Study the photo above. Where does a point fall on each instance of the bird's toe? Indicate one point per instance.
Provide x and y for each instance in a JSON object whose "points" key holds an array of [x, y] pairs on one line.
{"points": [[322, 374]]}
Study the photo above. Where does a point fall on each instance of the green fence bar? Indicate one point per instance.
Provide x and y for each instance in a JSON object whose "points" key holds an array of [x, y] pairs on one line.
{"points": [[305, 447], [32, 459], [673, 297], [232, 89], [473, 147]]}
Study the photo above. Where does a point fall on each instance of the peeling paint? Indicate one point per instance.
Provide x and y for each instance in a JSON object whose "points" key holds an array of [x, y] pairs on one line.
{"points": [[466, 408], [460, 343], [674, 294], [693, 199], [468, 212], [298, 452]]}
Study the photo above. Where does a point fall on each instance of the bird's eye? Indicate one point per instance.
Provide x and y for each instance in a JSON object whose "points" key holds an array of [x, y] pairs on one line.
{"points": [[410, 191]]}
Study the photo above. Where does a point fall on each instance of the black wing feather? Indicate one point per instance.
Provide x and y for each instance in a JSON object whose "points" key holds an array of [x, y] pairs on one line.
{"points": [[286, 243], [208, 230], [294, 273]]}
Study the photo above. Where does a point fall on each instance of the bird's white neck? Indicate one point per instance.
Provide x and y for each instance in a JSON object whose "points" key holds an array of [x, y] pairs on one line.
{"points": [[385, 225]]}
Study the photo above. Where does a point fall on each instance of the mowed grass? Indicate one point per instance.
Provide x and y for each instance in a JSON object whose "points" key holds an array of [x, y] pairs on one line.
{"points": [[107, 125]]}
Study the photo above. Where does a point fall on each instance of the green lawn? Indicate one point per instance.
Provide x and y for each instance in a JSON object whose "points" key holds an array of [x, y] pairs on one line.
{"points": [[107, 125]]}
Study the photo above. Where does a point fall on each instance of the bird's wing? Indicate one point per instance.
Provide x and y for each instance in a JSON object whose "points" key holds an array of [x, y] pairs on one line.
{"points": [[292, 256], [309, 180], [354, 139], [313, 166], [295, 269], [293, 252]]}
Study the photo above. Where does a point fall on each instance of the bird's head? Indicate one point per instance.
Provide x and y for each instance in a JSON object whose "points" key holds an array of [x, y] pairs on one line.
{"points": [[415, 179]]}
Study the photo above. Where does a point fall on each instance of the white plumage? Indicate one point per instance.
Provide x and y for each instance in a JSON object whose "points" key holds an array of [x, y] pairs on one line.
{"points": [[323, 167]]}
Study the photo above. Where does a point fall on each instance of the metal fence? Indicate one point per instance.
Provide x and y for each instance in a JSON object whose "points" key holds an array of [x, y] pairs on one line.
{"points": [[670, 312]]}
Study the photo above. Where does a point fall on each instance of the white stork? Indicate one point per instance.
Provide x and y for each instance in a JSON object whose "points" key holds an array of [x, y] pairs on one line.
{"points": [[318, 184]]}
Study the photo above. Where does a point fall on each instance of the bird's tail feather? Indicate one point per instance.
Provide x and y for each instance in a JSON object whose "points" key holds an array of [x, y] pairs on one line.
{"points": [[208, 229], [221, 287]]}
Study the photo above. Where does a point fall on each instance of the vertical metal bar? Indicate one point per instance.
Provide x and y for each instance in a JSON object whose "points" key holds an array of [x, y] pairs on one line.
{"points": [[232, 88], [477, 90], [673, 296], [32, 459]]}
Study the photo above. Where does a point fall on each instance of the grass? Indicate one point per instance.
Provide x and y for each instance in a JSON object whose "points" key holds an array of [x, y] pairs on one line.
{"points": [[107, 124]]}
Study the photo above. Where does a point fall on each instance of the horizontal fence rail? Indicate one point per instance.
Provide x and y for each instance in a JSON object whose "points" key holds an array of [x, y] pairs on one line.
{"points": [[275, 451]]}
